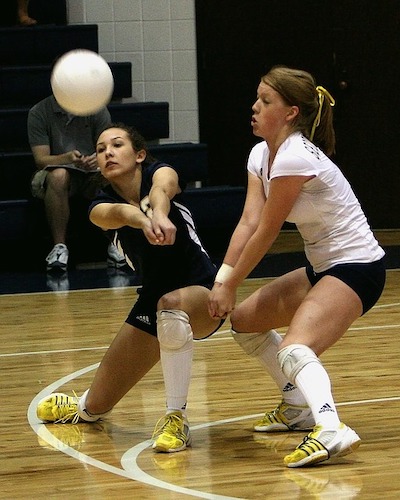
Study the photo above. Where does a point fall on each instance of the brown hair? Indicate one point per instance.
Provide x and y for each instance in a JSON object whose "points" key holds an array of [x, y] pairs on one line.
{"points": [[137, 140], [298, 88]]}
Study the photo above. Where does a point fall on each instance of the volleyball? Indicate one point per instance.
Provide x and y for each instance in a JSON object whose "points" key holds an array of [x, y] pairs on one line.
{"points": [[82, 82]]}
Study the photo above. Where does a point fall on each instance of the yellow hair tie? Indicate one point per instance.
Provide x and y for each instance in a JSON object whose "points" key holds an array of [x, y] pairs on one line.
{"points": [[322, 93]]}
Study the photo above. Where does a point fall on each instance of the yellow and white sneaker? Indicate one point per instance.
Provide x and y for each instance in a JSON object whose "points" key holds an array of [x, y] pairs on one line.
{"points": [[171, 433], [286, 418], [322, 444], [58, 408]]}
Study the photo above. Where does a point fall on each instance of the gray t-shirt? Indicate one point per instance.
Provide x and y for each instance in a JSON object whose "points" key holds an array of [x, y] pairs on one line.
{"points": [[49, 124]]}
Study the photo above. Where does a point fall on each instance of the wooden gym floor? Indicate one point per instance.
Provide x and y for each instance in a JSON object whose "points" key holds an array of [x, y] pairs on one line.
{"points": [[53, 341]]}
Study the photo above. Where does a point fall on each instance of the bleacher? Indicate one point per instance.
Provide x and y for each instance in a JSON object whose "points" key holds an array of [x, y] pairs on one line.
{"points": [[26, 56]]}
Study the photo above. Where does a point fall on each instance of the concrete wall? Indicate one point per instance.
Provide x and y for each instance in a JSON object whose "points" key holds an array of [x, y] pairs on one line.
{"points": [[158, 38]]}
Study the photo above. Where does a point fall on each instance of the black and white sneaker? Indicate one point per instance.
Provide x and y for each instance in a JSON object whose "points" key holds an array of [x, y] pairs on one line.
{"points": [[115, 258], [57, 260]]}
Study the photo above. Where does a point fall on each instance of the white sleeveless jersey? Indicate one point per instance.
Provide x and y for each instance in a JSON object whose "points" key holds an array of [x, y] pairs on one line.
{"points": [[327, 213]]}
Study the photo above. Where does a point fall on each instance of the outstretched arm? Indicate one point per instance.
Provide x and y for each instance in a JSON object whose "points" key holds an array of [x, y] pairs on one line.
{"points": [[116, 215], [165, 186], [249, 219], [283, 194]]}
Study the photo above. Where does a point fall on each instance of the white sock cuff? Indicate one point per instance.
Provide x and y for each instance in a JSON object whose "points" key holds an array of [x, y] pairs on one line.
{"points": [[84, 414]]}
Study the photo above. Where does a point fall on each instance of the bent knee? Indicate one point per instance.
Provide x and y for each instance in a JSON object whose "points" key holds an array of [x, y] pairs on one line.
{"points": [[174, 331], [169, 301], [293, 358], [238, 321], [59, 177]]}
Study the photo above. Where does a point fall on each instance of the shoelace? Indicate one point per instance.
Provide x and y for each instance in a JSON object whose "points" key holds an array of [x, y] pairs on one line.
{"points": [[273, 415], [169, 424], [310, 445], [72, 415]]}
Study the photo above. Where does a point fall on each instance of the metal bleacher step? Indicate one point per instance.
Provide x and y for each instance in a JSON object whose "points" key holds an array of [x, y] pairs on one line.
{"points": [[42, 44], [25, 85]]}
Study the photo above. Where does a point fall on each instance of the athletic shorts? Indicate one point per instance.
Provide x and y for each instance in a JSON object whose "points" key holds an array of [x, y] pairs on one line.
{"points": [[144, 313], [367, 280], [82, 184]]}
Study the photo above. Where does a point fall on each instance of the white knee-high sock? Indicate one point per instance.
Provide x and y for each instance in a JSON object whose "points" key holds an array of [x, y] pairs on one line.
{"points": [[291, 394], [176, 351], [314, 383], [264, 347]]}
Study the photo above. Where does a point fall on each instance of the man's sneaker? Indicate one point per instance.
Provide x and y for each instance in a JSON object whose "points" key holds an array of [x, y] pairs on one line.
{"points": [[286, 418], [57, 260], [171, 433], [115, 259], [58, 408], [320, 445]]}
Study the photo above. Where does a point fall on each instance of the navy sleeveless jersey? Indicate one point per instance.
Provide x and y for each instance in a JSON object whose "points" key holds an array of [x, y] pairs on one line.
{"points": [[162, 268]]}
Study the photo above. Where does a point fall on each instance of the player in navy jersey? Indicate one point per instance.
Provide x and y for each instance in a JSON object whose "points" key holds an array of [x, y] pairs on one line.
{"points": [[291, 178], [142, 213]]}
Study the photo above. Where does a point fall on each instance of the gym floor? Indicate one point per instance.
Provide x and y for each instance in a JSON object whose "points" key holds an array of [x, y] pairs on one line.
{"points": [[98, 275]]}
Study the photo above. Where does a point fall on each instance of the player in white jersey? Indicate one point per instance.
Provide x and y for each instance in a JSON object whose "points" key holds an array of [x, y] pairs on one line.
{"points": [[291, 178], [141, 210]]}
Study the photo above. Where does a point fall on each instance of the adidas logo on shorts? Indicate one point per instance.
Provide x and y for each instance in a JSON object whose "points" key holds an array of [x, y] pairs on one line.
{"points": [[144, 319]]}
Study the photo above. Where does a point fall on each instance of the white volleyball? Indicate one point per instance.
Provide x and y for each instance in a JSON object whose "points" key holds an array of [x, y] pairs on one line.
{"points": [[82, 82]]}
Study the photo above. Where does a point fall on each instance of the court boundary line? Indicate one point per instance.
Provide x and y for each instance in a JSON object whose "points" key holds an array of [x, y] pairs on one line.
{"points": [[133, 471], [102, 289], [213, 338]]}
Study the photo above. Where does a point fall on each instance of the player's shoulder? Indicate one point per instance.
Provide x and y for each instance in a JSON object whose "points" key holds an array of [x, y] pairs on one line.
{"points": [[151, 167], [298, 145], [257, 157], [259, 149]]}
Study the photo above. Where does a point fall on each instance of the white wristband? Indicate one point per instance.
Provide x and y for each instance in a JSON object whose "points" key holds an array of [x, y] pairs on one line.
{"points": [[223, 273]]}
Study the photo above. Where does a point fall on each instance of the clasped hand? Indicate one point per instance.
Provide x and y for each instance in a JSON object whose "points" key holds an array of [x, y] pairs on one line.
{"points": [[159, 230], [221, 301]]}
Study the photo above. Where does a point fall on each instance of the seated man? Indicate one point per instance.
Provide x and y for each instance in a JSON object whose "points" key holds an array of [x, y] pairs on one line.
{"points": [[63, 147]]}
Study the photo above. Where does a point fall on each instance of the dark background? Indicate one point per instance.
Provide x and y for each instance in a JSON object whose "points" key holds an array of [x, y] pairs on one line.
{"points": [[44, 11], [351, 46]]}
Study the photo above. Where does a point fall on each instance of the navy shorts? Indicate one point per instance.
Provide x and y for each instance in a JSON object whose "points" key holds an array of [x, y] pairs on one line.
{"points": [[367, 280], [144, 313]]}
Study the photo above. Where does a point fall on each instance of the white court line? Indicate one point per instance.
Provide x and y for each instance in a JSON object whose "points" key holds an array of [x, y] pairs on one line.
{"points": [[56, 351], [66, 292], [381, 306], [78, 349], [130, 469], [212, 338]]}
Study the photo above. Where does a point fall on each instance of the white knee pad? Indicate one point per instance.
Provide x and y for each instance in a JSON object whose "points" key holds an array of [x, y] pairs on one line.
{"points": [[293, 358], [173, 330], [255, 344], [84, 414]]}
